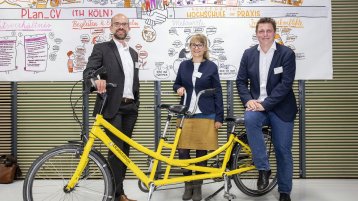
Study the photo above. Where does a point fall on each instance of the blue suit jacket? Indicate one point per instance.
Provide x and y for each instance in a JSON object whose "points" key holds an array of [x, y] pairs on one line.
{"points": [[211, 104], [280, 97]]}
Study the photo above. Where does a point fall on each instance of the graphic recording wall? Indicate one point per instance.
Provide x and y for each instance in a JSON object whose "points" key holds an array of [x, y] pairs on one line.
{"points": [[51, 40]]}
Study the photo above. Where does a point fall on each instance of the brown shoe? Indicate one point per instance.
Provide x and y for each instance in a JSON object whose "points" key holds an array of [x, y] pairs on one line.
{"points": [[124, 198]]}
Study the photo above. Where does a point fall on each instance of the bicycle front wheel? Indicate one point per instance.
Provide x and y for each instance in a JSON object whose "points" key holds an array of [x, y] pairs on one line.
{"points": [[50, 173], [247, 181]]}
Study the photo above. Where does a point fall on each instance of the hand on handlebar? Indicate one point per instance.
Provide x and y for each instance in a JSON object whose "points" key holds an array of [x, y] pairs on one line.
{"points": [[101, 86], [181, 91]]}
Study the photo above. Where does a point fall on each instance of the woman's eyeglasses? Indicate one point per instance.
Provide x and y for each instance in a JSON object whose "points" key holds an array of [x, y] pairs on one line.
{"points": [[196, 45]]}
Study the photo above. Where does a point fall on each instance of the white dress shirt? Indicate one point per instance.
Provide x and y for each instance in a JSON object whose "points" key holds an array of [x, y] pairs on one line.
{"points": [[193, 95], [265, 62], [128, 69]]}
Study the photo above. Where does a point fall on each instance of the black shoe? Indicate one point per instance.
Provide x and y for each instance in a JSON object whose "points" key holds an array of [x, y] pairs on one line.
{"points": [[285, 197], [263, 181]]}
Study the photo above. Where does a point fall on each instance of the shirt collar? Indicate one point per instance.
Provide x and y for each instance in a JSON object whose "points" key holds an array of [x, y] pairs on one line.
{"points": [[120, 45], [273, 47]]}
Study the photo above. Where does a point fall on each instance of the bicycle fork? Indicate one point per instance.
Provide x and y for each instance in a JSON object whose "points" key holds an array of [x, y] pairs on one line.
{"points": [[81, 165]]}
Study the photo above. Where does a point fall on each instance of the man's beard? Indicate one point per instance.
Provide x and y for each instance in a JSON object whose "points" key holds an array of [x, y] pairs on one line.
{"points": [[120, 37]]}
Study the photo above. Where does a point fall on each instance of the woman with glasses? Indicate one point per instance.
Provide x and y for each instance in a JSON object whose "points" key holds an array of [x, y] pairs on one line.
{"points": [[200, 131]]}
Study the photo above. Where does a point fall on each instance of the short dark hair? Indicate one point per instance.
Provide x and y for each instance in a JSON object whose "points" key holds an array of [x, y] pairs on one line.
{"points": [[266, 20]]}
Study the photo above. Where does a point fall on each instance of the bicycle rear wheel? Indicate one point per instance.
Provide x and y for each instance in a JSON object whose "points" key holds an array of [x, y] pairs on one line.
{"points": [[247, 181], [49, 174]]}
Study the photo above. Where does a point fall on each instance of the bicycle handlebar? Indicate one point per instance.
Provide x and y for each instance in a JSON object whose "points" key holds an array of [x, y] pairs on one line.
{"points": [[108, 85], [182, 109], [204, 92]]}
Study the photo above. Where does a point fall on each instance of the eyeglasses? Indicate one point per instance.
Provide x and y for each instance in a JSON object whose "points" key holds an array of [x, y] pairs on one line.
{"points": [[118, 24], [198, 45]]}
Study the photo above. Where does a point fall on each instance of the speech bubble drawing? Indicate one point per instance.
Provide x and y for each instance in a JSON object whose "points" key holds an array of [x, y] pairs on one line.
{"points": [[187, 30], [172, 31], [138, 46], [198, 29], [56, 48], [80, 50], [161, 72], [218, 41], [217, 50], [177, 43], [211, 30], [85, 38], [58, 40], [52, 56], [291, 38], [143, 54], [222, 57], [97, 31], [227, 71]]}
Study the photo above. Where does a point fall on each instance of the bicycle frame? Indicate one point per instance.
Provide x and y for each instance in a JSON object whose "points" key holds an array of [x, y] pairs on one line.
{"points": [[189, 164]]}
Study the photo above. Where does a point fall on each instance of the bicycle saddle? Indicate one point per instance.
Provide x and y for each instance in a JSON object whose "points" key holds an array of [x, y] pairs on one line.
{"points": [[237, 120], [177, 109]]}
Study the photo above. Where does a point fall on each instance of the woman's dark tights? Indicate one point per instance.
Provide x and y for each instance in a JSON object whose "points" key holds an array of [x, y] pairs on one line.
{"points": [[185, 154]]}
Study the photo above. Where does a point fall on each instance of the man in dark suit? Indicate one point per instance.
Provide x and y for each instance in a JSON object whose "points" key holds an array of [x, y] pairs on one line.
{"points": [[269, 69], [120, 63]]}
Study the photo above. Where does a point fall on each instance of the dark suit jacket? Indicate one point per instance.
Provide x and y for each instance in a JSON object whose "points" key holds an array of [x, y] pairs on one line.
{"points": [[281, 99], [211, 104], [106, 54]]}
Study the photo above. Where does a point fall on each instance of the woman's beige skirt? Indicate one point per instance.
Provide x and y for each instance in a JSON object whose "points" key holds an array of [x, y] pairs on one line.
{"points": [[199, 134]]}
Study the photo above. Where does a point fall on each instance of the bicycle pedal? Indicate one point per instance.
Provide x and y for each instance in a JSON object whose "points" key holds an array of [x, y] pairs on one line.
{"points": [[229, 196], [218, 179]]}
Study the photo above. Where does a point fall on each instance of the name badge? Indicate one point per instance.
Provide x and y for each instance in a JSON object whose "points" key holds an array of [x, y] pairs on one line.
{"points": [[136, 65], [197, 74], [278, 70]]}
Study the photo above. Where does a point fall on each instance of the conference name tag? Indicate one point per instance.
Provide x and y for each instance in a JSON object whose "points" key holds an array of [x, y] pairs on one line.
{"points": [[197, 74], [278, 70]]}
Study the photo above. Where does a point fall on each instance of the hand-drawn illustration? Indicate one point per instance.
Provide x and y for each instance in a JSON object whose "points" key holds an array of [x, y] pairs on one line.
{"points": [[148, 34], [8, 53], [36, 52], [54, 42], [142, 54], [180, 49], [70, 61], [161, 71], [290, 2]]}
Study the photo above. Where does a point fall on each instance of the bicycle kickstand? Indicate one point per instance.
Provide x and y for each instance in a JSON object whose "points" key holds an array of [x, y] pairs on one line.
{"points": [[151, 191], [227, 185]]}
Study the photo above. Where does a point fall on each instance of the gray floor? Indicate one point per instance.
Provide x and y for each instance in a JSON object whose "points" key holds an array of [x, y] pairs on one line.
{"points": [[303, 190]]}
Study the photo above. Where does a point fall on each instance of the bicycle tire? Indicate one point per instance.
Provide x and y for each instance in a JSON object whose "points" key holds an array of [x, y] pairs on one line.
{"points": [[247, 181], [49, 174]]}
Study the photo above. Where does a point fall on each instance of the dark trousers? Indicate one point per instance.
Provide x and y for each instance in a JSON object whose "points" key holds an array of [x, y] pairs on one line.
{"points": [[185, 154], [124, 121]]}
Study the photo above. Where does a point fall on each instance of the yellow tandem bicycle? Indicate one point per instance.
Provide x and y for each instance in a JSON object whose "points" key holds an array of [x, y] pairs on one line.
{"points": [[78, 171]]}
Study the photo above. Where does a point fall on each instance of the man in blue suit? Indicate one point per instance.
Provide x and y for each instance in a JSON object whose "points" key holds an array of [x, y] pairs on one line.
{"points": [[264, 83]]}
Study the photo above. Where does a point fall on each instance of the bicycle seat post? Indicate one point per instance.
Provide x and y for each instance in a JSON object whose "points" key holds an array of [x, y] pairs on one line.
{"points": [[169, 118], [233, 127]]}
